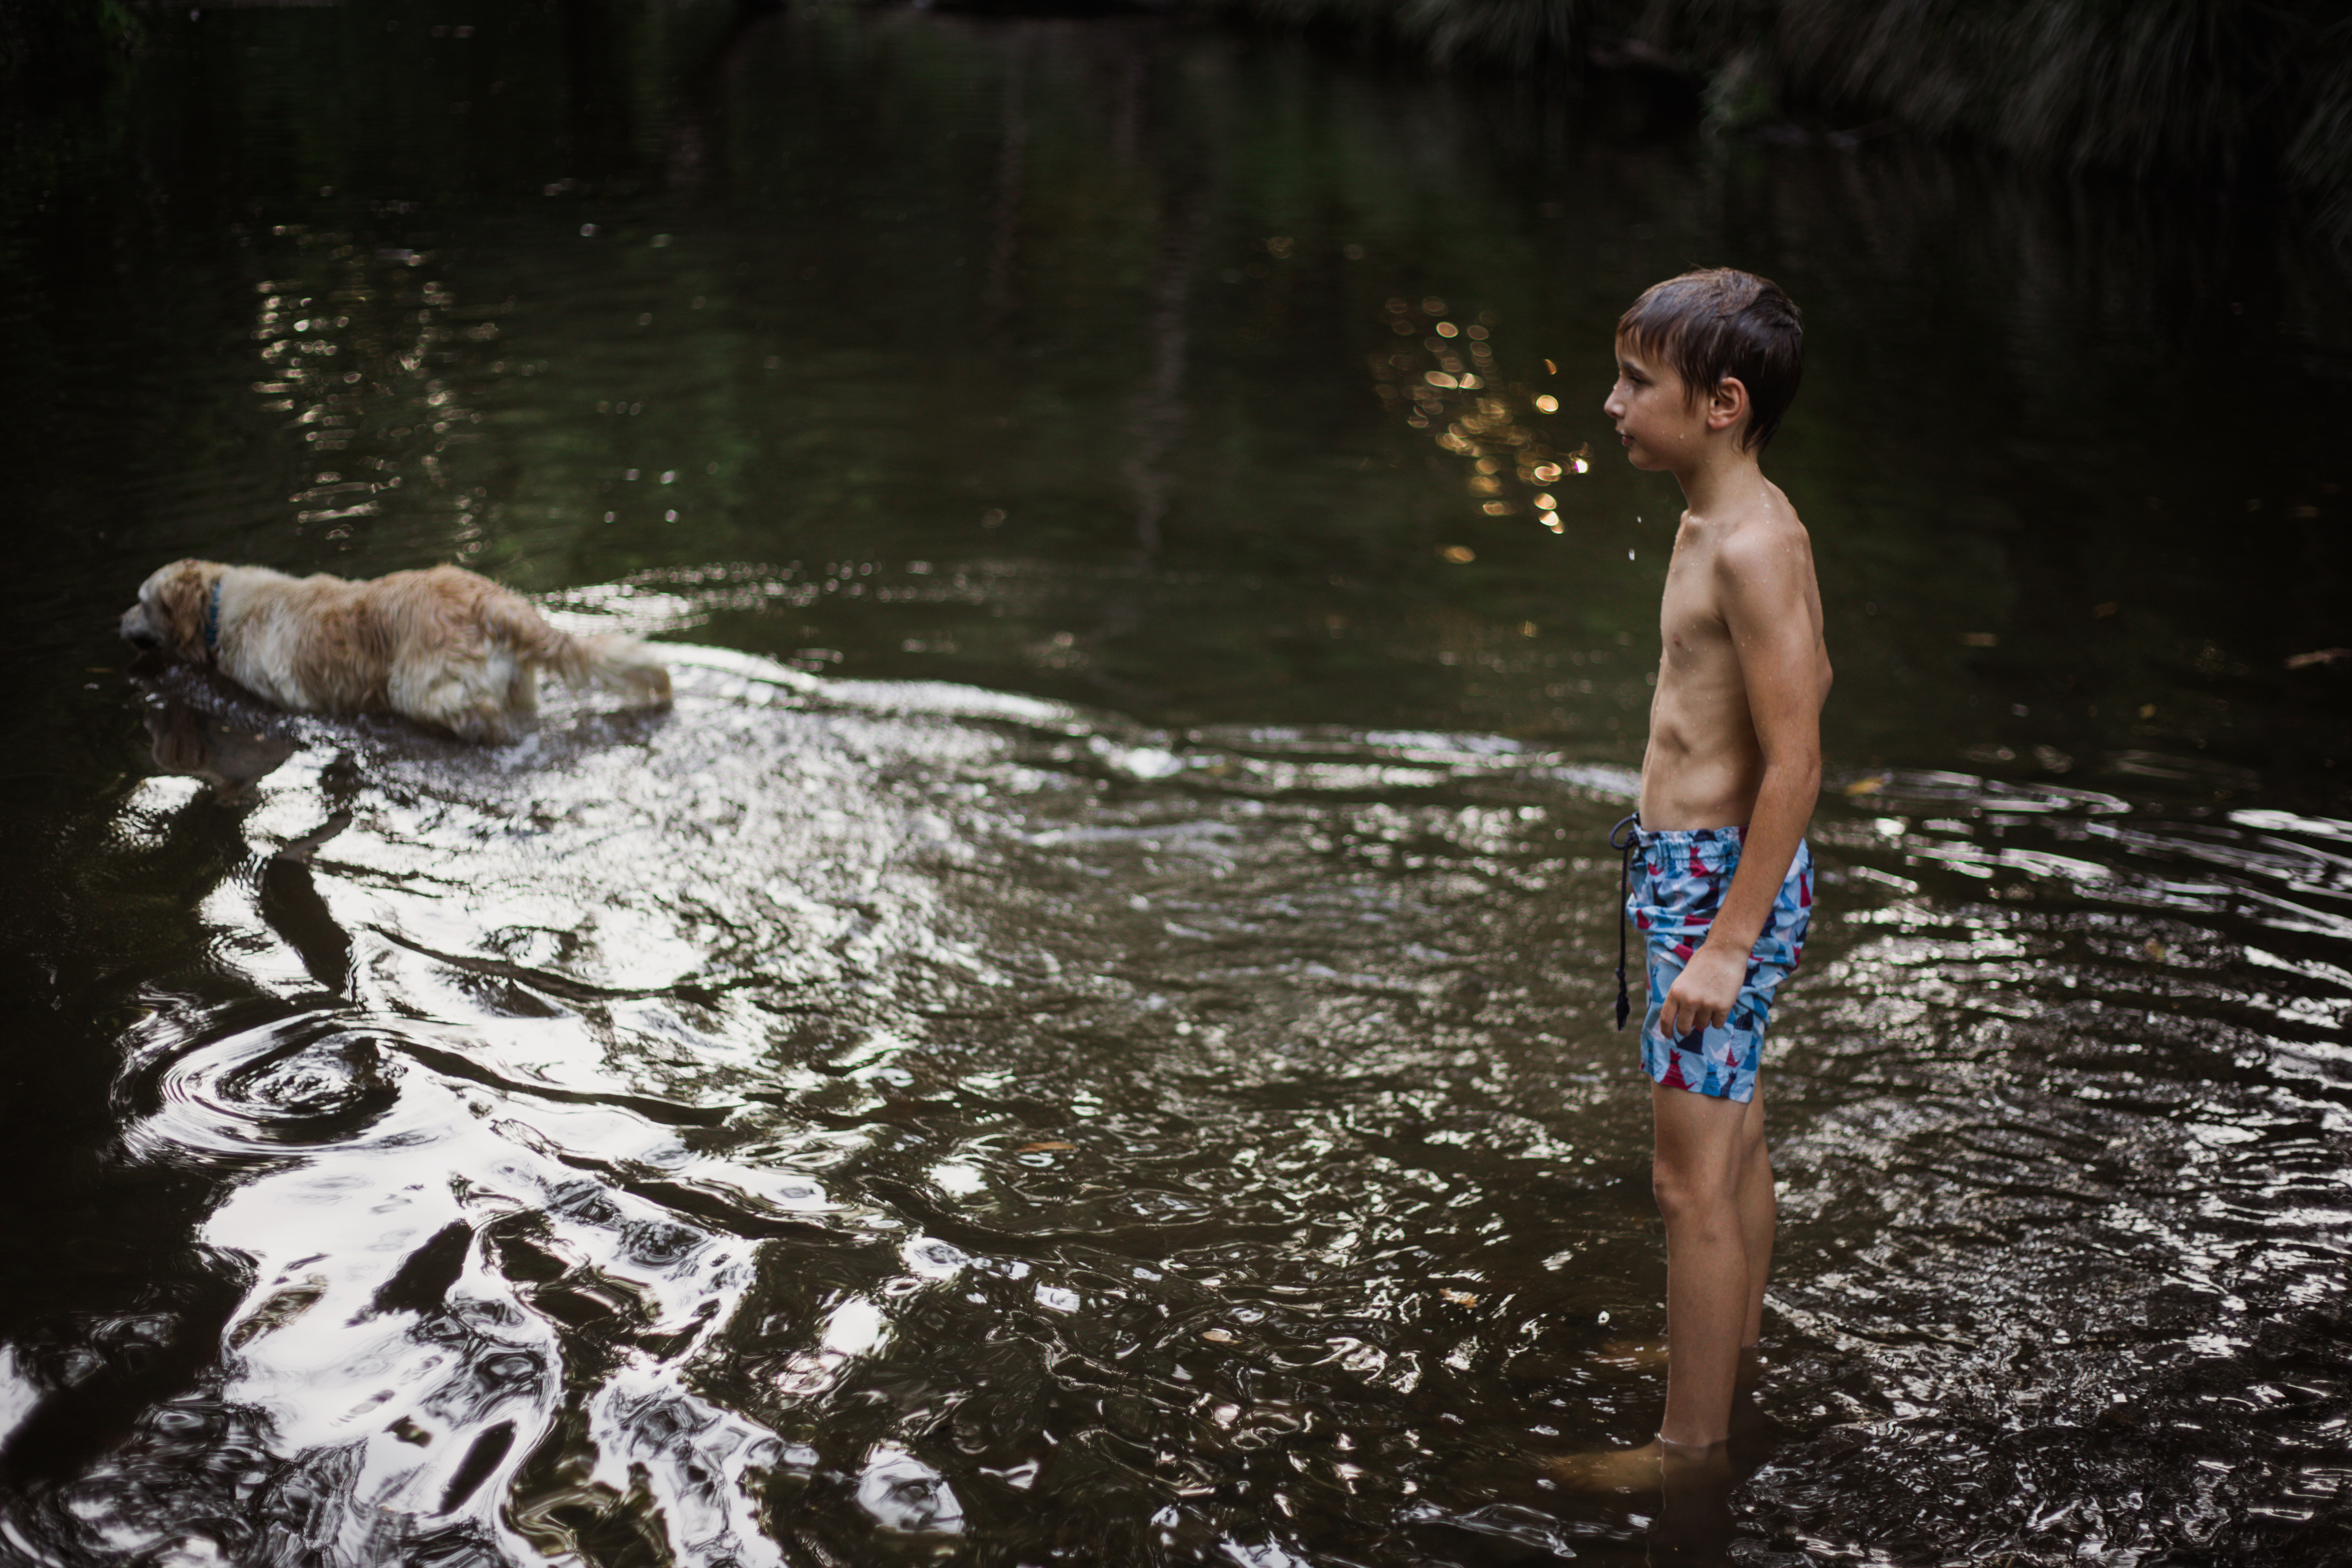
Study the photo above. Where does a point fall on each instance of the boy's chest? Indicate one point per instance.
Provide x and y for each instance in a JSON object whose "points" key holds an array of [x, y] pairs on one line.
{"points": [[1690, 621]]}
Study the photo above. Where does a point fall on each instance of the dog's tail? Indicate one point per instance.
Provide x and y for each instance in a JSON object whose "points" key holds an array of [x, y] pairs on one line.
{"points": [[610, 659]]}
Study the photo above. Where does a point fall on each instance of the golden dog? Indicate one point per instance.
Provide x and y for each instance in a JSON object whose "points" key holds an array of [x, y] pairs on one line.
{"points": [[443, 646]]}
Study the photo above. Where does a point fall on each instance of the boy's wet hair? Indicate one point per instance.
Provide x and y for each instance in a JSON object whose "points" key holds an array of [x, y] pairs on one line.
{"points": [[1719, 321]]}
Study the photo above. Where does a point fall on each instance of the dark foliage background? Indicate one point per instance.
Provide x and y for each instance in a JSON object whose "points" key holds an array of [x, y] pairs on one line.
{"points": [[2218, 95]]}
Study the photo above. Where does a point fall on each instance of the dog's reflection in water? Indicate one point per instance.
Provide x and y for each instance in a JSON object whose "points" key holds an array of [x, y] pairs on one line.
{"points": [[223, 749]]}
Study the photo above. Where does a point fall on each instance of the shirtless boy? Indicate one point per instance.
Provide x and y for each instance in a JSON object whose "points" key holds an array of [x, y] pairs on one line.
{"points": [[1722, 888]]}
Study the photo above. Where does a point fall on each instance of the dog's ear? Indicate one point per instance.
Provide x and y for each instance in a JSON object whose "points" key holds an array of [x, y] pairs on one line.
{"points": [[183, 597]]}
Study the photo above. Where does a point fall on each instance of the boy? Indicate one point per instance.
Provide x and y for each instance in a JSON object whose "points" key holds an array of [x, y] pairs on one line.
{"points": [[1722, 887]]}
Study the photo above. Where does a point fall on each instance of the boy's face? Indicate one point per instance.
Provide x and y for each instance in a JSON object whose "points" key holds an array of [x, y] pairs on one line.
{"points": [[1661, 426]]}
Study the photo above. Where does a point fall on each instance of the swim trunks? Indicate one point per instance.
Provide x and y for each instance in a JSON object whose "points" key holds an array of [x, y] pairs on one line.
{"points": [[1679, 883]]}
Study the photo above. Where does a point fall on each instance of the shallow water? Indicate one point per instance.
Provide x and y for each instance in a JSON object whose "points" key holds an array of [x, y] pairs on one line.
{"points": [[1082, 1035]]}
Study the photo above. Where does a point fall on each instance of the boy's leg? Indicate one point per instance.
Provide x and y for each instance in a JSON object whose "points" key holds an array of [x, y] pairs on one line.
{"points": [[1759, 1214], [1704, 1159], [1716, 1253]]}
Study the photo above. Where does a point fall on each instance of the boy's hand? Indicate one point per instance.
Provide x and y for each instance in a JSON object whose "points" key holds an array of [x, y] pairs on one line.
{"points": [[1702, 996]]}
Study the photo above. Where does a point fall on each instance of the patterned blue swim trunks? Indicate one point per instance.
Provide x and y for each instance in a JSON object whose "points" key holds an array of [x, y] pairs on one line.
{"points": [[1678, 885]]}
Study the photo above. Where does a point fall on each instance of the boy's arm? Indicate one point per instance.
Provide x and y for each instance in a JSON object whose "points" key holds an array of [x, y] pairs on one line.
{"points": [[1763, 592]]}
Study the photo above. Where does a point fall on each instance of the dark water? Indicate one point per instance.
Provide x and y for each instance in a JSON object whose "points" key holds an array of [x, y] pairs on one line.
{"points": [[1081, 1037]]}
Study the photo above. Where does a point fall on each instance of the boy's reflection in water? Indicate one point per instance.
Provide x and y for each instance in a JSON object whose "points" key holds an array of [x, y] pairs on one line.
{"points": [[1693, 1525], [1692, 1485]]}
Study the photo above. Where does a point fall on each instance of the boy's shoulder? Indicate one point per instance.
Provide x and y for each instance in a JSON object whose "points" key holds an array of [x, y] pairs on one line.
{"points": [[1764, 530], [1765, 556]]}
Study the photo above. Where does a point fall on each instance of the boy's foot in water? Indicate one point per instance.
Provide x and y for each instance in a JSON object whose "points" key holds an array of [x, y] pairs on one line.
{"points": [[1753, 1435], [1657, 1465]]}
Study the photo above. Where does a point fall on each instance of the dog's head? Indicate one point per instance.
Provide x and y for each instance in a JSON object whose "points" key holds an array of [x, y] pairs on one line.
{"points": [[173, 606]]}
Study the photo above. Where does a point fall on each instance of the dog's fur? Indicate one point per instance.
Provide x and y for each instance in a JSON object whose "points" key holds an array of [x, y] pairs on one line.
{"points": [[444, 646]]}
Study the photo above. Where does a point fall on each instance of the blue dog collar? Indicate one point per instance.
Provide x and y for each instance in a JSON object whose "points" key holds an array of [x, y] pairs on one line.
{"points": [[211, 620]]}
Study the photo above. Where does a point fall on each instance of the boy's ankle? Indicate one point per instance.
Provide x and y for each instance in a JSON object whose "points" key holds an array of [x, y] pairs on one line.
{"points": [[1684, 1463]]}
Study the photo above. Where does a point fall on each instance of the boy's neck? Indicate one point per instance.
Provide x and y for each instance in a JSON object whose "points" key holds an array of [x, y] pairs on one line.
{"points": [[1723, 472]]}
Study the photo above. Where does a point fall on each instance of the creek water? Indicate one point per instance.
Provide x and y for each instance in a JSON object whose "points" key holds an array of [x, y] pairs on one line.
{"points": [[1082, 1036]]}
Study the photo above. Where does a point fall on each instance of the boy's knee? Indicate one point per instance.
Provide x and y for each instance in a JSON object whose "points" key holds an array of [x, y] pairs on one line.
{"points": [[1669, 1195], [1679, 1196], [1694, 1194]]}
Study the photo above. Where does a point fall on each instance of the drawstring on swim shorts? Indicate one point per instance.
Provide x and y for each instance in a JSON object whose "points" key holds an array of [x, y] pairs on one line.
{"points": [[1629, 845]]}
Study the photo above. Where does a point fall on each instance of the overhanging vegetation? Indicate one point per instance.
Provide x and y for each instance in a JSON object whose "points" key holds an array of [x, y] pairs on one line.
{"points": [[2224, 93]]}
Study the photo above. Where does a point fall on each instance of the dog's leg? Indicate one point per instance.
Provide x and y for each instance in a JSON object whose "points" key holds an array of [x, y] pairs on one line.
{"points": [[522, 693], [466, 694]]}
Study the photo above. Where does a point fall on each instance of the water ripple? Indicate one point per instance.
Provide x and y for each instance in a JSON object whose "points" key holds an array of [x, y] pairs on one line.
{"points": [[839, 1119]]}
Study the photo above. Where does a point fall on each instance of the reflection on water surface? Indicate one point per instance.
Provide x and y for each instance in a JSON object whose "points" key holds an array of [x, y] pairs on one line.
{"points": [[842, 1111], [1082, 1036]]}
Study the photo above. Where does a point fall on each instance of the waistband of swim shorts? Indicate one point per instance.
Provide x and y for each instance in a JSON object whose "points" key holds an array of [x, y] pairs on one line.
{"points": [[1671, 850]]}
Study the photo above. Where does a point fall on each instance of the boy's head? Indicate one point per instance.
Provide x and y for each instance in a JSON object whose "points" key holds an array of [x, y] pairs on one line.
{"points": [[1717, 322]]}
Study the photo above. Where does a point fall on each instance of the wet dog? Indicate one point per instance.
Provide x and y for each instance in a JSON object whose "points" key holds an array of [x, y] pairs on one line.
{"points": [[443, 646]]}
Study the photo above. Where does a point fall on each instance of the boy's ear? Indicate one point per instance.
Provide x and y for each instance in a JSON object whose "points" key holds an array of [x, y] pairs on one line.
{"points": [[1726, 407]]}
